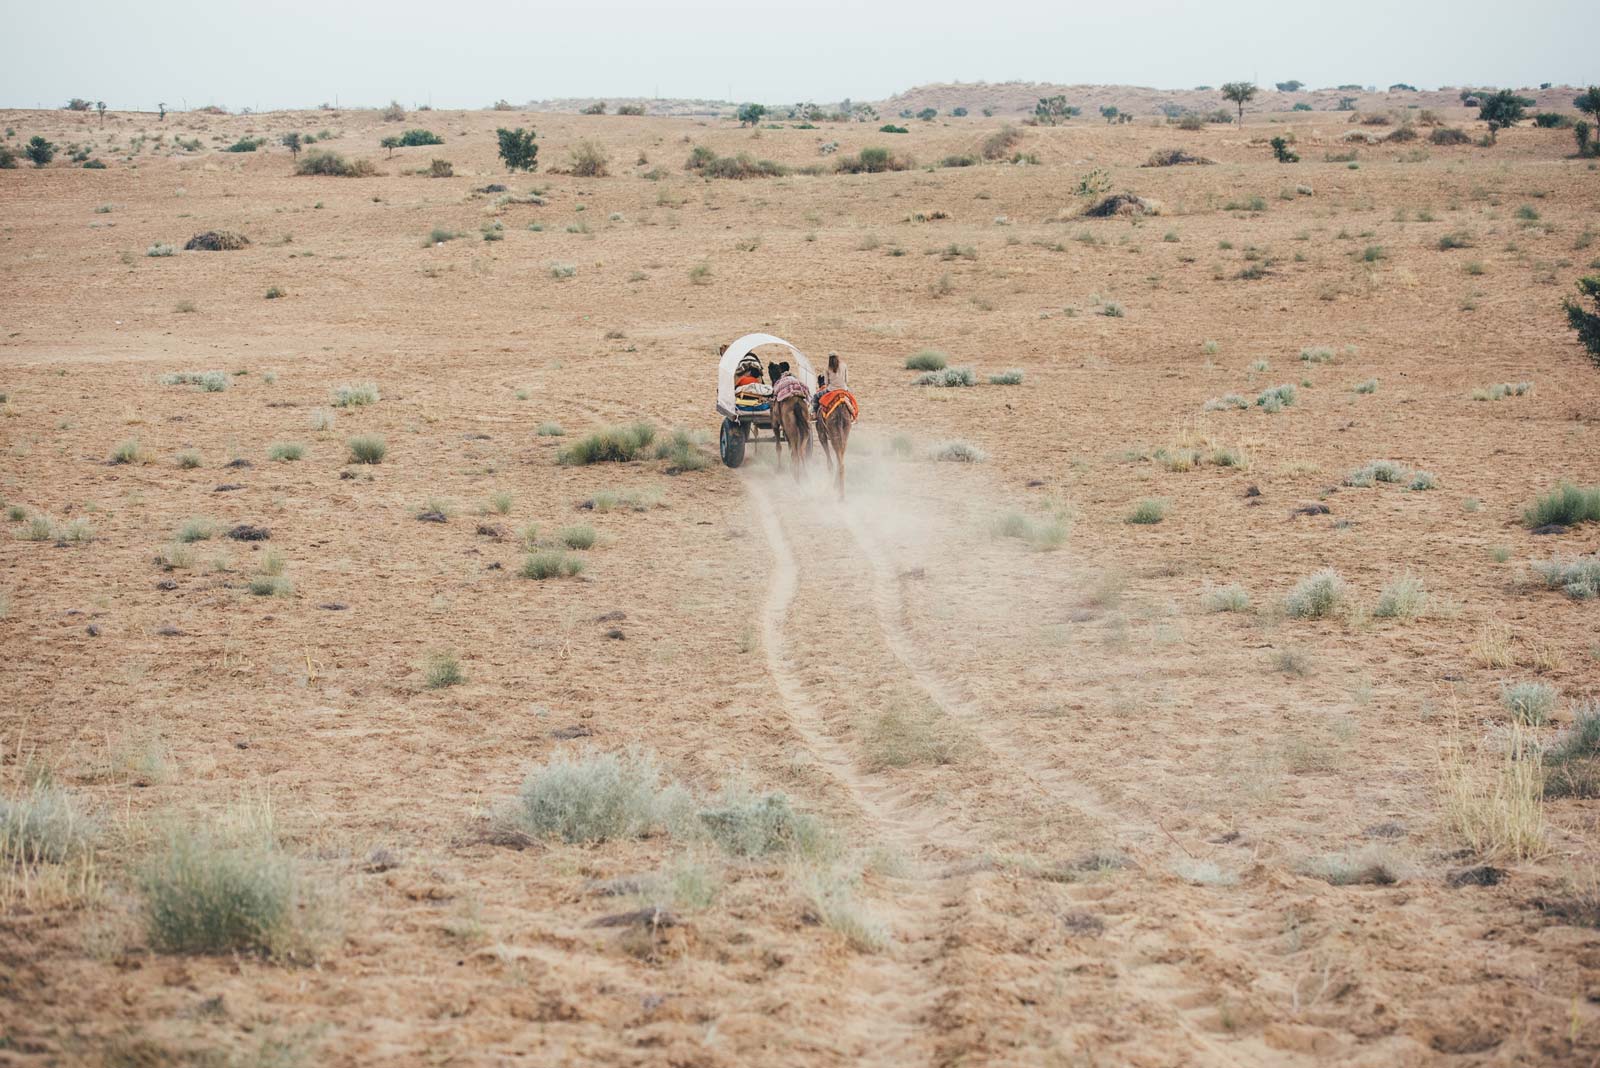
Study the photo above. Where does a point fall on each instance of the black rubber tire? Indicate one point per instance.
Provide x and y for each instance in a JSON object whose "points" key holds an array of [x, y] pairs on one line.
{"points": [[731, 443]]}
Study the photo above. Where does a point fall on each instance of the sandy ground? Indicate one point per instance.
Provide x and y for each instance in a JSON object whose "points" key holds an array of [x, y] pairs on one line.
{"points": [[1099, 858]]}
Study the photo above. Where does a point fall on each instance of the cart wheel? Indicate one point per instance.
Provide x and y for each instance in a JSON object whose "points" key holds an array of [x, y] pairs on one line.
{"points": [[731, 442]]}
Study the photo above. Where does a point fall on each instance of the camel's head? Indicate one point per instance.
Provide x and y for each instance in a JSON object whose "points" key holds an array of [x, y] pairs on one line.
{"points": [[776, 371]]}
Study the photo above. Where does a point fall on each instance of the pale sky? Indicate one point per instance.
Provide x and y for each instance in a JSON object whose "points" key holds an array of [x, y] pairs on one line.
{"points": [[468, 53]]}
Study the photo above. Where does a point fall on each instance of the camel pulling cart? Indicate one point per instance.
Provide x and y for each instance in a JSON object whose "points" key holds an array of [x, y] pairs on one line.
{"points": [[743, 416]]}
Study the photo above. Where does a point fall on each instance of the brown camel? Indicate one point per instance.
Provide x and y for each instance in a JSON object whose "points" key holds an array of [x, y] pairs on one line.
{"points": [[790, 420], [833, 428]]}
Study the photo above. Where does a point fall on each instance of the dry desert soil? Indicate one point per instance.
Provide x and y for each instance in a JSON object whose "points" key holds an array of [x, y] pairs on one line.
{"points": [[965, 769]]}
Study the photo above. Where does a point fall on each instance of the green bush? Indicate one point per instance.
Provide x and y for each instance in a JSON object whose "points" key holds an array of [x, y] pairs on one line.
{"points": [[246, 144], [42, 826], [202, 895], [550, 563], [1586, 324], [1148, 512], [442, 669], [926, 360], [333, 164], [518, 149], [872, 161], [596, 797], [367, 449], [611, 445], [1316, 596], [1566, 505], [412, 138]]}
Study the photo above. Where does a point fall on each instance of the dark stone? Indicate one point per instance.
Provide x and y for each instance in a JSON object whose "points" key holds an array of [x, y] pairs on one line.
{"points": [[333, 606], [246, 532], [1385, 830], [1311, 509], [238, 463], [433, 517], [171, 632], [611, 617], [615, 635], [566, 734], [228, 487], [1549, 528], [93, 631], [1481, 875], [166, 584], [1252, 491]]}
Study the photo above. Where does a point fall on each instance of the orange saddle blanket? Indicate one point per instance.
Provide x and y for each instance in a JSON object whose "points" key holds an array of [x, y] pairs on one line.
{"points": [[835, 397]]}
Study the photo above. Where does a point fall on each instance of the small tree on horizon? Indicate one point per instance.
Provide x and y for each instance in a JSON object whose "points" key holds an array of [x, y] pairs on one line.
{"points": [[162, 108], [517, 148], [1110, 113], [1054, 110], [1500, 110], [40, 151], [100, 106], [1282, 152], [1240, 93], [1588, 102], [1587, 324], [751, 114], [291, 141], [1290, 86]]}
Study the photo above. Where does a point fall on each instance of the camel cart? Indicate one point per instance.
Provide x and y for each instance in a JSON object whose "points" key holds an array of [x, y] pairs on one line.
{"points": [[742, 425]]}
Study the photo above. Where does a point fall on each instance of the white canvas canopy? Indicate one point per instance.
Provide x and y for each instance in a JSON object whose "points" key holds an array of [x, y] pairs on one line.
{"points": [[739, 349]]}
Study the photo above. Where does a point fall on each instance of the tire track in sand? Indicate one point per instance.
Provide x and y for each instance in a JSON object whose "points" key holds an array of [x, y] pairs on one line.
{"points": [[896, 999]]}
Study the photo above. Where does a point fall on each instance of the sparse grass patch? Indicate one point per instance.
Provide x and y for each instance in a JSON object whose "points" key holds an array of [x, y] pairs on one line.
{"points": [[1566, 505], [1316, 596], [128, 452], [592, 797], [900, 737], [950, 377], [610, 445], [1203, 872], [1374, 865], [204, 894], [1369, 386], [196, 529], [682, 453], [1494, 803], [751, 825], [1572, 760], [549, 430], [1530, 703], [355, 395], [1578, 578], [551, 563], [927, 360], [187, 460], [833, 898], [1404, 598], [581, 536], [367, 449], [1012, 377], [442, 669], [1044, 535], [43, 826], [286, 451], [959, 452], [1149, 511], [1230, 598], [1276, 399], [1375, 471]]}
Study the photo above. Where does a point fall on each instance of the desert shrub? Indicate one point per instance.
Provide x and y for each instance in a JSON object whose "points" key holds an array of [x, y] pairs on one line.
{"points": [[1277, 398], [926, 360], [949, 377], [1572, 760], [394, 112], [1282, 152], [1231, 598], [1404, 598], [751, 825], [610, 445], [581, 536], [1422, 480], [1149, 511], [1011, 377], [872, 161], [630, 109], [551, 563], [216, 241], [285, 451], [1226, 402], [1369, 386], [441, 168], [549, 430], [39, 150], [204, 895], [413, 138], [681, 452], [188, 460], [999, 144], [246, 144], [1316, 354], [1530, 703], [128, 452], [1375, 471], [1566, 505], [1455, 239], [367, 449], [1373, 865], [1173, 157], [711, 165], [891, 128], [959, 452], [959, 161], [355, 395], [196, 529], [1450, 135], [442, 669], [160, 249], [1316, 596], [42, 826], [1578, 578], [588, 160], [594, 797], [1045, 535], [332, 164]]}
